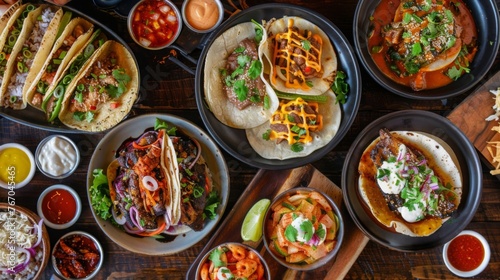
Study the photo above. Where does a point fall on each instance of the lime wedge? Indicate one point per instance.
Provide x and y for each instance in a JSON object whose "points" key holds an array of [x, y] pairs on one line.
{"points": [[251, 230]]}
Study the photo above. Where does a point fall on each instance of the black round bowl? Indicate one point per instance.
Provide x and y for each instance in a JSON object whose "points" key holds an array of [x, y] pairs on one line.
{"points": [[486, 17], [234, 141], [434, 124]]}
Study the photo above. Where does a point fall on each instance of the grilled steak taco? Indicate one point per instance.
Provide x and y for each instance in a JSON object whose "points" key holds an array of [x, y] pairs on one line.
{"points": [[103, 92], [54, 96], [11, 39], [140, 186], [69, 43], [40, 30], [297, 128], [300, 55], [410, 181], [235, 89]]}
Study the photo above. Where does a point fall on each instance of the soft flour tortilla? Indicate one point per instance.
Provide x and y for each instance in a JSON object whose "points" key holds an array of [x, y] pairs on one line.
{"points": [[269, 149], [440, 158], [328, 58], [105, 116], [215, 95]]}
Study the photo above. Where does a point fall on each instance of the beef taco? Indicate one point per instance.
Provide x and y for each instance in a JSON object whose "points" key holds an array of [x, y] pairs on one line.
{"points": [[52, 100], [411, 181], [297, 128], [300, 55], [140, 186], [40, 30], [68, 44], [11, 39], [103, 92], [235, 89]]}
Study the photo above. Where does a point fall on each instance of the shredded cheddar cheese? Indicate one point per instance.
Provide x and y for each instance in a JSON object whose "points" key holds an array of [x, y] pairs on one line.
{"points": [[296, 120], [296, 56]]}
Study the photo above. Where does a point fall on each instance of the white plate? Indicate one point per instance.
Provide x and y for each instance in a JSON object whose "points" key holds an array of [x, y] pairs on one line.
{"points": [[104, 153]]}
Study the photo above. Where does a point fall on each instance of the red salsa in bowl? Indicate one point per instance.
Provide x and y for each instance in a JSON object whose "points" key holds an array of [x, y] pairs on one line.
{"points": [[467, 254], [154, 24]]}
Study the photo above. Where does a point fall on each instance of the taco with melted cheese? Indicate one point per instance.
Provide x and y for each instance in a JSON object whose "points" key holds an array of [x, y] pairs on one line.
{"points": [[104, 91], [297, 128], [411, 181], [300, 56], [39, 34], [235, 90]]}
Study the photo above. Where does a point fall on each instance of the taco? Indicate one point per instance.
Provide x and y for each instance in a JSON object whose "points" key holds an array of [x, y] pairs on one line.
{"points": [[68, 44], [300, 55], [140, 186], [40, 30], [11, 40], [52, 100], [103, 92], [410, 181], [235, 89], [8, 14], [297, 128]]}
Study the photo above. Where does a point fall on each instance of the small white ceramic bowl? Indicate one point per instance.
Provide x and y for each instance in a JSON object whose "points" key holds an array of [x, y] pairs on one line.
{"points": [[77, 201], [58, 158], [97, 249], [11, 184], [220, 9], [130, 20], [480, 268]]}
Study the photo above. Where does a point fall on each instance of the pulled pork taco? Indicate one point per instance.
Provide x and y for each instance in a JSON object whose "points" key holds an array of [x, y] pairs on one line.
{"points": [[103, 92], [52, 102], [235, 89], [411, 181], [68, 44], [39, 29], [297, 128], [300, 55]]}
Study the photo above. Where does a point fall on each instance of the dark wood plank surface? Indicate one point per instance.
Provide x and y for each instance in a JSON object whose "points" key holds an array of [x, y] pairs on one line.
{"points": [[167, 88]]}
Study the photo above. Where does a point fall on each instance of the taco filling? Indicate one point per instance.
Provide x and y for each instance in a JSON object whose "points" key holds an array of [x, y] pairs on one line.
{"points": [[414, 192], [103, 82]]}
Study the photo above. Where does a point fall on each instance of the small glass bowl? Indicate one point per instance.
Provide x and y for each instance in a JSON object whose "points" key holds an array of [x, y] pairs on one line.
{"points": [[138, 41], [78, 205], [31, 173], [95, 242], [480, 268], [220, 9], [41, 166]]}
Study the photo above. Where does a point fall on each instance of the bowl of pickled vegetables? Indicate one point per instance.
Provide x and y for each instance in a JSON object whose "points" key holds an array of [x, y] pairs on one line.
{"points": [[303, 229]]}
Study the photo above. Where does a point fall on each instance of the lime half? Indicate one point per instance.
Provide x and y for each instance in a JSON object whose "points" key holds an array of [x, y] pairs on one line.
{"points": [[251, 230]]}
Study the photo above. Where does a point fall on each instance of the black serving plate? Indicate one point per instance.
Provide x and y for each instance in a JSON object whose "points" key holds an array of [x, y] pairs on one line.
{"points": [[487, 21], [431, 123], [35, 118], [233, 140]]}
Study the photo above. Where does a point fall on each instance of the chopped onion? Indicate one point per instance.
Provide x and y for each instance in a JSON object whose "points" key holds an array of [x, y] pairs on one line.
{"points": [[434, 186], [134, 216], [145, 42], [198, 153], [38, 228], [119, 218], [150, 183], [165, 9], [131, 230], [171, 18]]}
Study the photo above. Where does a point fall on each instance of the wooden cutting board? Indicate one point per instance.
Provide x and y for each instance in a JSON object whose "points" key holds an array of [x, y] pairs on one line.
{"points": [[469, 116], [268, 184]]}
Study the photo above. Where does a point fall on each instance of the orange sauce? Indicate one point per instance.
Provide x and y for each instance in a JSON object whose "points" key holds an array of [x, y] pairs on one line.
{"points": [[59, 206], [465, 252], [384, 15], [202, 14]]}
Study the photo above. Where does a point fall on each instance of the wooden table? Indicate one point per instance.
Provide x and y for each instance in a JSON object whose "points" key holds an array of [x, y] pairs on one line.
{"points": [[168, 88]]}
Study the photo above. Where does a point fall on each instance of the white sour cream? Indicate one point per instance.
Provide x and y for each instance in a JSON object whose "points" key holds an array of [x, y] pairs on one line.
{"points": [[300, 233], [414, 215], [57, 156], [393, 183], [224, 273]]}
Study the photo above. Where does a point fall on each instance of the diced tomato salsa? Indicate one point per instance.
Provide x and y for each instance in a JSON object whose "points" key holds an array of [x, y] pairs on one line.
{"points": [[154, 23]]}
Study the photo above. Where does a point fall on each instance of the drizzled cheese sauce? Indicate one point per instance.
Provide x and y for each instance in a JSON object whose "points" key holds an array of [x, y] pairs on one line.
{"points": [[57, 156]]}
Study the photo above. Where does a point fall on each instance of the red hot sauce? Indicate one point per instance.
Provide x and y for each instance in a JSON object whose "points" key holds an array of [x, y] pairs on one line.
{"points": [[59, 206], [465, 252]]}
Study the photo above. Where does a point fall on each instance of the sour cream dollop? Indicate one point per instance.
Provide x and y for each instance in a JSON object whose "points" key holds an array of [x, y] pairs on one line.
{"points": [[389, 178], [57, 156]]}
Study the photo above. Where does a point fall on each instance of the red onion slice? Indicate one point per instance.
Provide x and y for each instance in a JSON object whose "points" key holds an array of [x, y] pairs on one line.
{"points": [[150, 183]]}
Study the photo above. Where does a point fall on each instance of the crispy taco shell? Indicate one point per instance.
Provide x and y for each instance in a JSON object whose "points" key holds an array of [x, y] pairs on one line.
{"points": [[328, 59], [331, 115], [440, 158], [110, 112], [215, 95]]}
